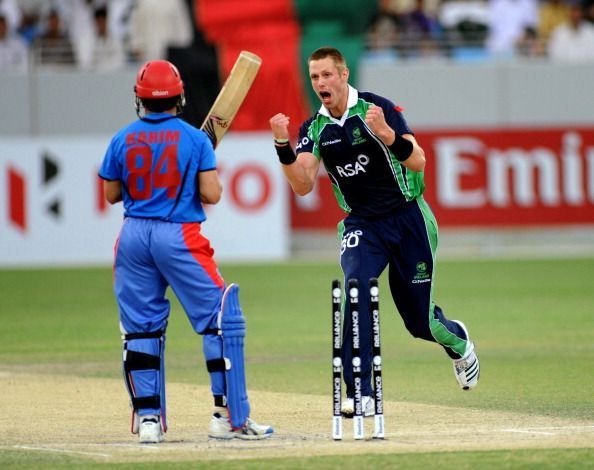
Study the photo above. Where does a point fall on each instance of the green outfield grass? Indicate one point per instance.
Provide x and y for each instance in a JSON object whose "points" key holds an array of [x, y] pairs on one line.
{"points": [[532, 321], [554, 459]]}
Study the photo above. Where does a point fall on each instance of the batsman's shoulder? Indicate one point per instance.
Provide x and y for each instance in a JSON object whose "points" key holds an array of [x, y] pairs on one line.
{"points": [[196, 135]]}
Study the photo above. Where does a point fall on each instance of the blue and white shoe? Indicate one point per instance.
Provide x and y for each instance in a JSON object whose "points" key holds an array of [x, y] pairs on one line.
{"points": [[220, 428], [253, 431]]}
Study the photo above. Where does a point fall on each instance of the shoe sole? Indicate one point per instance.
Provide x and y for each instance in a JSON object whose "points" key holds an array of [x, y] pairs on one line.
{"points": [[151, 440], [243, 438], [222, 437], [253, 437], [227, 436]]}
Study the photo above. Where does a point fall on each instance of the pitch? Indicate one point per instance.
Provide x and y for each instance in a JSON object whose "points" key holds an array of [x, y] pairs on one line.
{"points": [[64, 402]]}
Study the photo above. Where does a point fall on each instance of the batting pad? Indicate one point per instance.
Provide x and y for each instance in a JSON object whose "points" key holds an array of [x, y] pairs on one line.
{"points": [[232, 327], [144, 374]]}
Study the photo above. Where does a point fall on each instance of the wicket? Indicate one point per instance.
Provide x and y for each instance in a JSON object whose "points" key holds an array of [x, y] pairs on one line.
{"points": [[336, 361], [353, 299], [378, 388]]}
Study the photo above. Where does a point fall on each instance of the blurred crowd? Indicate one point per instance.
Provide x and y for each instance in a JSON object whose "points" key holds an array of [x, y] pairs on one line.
{"points": [[560, 30], [91, 34], [109, 34]]}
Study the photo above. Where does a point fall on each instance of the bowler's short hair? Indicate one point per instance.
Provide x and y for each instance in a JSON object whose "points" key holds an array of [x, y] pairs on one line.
{"points": [[332, 52]]}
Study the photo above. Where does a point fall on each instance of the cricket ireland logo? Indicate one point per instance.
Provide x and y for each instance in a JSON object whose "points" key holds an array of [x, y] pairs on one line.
{"points": [[357, 139], [421, 275]]}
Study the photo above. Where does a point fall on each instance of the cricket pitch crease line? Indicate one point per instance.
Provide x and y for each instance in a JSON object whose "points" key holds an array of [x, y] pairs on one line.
{"points": [[547, 430], [132, 445], [231, 444], [283, 444], [527, 431], [63, 451]]}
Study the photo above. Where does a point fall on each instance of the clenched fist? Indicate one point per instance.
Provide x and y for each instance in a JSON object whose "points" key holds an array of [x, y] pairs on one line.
{"points": [[376, 121], [279, 123]]}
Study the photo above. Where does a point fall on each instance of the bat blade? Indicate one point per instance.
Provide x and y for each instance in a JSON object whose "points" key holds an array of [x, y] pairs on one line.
{"points": [[231, 96]]}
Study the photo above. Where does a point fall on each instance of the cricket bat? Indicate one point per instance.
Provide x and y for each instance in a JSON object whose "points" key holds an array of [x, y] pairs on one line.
{"points": [[229, 100]]}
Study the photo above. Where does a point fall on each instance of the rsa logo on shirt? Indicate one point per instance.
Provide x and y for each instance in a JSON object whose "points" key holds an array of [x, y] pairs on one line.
{"points": [[353, 169]]}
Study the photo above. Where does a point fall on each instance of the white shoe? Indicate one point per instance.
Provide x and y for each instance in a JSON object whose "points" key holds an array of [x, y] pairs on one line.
{"points": [[348, 407], [220, 428], [467, 368], [150, 431]]}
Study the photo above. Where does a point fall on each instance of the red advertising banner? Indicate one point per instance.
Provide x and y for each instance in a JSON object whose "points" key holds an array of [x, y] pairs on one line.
{"points": [[481, 178]]}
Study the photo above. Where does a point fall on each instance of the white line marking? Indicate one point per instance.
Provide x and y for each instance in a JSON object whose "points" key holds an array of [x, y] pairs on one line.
{"points": [[543, 429], [288, 441], [528, 431], [586, 426], [64, 451], [137, 446]]}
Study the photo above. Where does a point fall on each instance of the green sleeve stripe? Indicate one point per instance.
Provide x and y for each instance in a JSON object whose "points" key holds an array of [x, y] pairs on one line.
{"points": [[441, 334], [338, 194]]}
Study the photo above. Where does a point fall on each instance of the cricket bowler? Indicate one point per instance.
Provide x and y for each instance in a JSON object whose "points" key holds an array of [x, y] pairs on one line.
{"points": [[375, 166]]}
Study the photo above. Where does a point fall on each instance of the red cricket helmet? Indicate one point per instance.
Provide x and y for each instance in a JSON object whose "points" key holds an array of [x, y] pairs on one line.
{"points": [[158, 79]]}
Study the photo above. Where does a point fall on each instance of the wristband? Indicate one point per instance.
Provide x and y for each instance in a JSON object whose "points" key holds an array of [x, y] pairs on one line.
{"points": [[281, 141], [401, 148], [285, 154]]}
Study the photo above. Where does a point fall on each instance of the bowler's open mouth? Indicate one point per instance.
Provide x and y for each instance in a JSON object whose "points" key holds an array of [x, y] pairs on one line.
{"points": [[325, 95]]}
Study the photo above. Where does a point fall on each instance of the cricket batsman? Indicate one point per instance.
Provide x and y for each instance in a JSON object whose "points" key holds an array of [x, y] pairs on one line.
{"points": [[164, 170]]}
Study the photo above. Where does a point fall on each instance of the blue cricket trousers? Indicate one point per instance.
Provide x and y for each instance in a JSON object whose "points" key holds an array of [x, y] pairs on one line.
{"points": [[152, 255]]}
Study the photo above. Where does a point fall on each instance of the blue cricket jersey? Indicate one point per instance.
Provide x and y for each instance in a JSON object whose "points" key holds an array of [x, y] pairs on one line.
{"points": [[157, 159]]}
